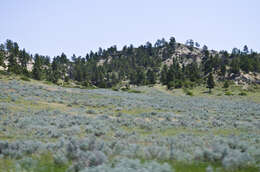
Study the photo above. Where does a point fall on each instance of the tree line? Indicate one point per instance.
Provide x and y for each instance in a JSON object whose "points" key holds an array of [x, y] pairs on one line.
{"points": [[143, 65]]}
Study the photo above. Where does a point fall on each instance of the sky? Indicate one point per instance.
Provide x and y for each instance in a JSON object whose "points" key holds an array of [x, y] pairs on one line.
{"points": [[50, 27]]}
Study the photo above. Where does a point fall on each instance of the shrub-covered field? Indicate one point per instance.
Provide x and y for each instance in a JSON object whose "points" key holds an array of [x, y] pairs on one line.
{"points": [[49, 128]]}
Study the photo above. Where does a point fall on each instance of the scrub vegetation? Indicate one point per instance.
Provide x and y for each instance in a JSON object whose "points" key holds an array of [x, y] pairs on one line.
{"points": [[45, 127]]}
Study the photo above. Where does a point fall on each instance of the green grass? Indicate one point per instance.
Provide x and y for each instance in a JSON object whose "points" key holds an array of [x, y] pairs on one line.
{"points": [[188, 92], [180, 130], [250, 93], [137, 111], [201, 167], [7, 165], [243, 94], [44, 163], [134, 91], [228, 93], [191, 167], [24, 78], [195, 166]]}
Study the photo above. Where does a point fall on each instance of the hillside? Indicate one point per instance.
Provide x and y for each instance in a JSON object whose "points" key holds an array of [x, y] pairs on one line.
{"points": [[44, 127], [167, 62]]}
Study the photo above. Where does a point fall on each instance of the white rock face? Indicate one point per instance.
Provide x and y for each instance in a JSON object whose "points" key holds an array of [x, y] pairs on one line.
{"points": [[247, 78], [29, 65], [185, 56]]}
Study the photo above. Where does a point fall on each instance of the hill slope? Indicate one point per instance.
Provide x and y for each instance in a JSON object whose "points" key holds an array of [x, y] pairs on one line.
{"points": [[47, 127]]}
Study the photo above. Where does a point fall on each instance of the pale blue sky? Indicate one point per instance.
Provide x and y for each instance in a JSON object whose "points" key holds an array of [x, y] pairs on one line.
{"points": [[50, 27]]}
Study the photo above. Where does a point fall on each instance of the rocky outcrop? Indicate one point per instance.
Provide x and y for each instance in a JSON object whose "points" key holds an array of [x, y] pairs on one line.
{"points": [[246, 78], [29, 65], [185, 56]]}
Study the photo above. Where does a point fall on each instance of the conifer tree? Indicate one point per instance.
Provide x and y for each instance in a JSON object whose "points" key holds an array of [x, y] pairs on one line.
{"points": [[234, 66], [223, 69], [210, 82], [2, 57], [151, 77], [37, 70], [24, 58], [164, 72]]}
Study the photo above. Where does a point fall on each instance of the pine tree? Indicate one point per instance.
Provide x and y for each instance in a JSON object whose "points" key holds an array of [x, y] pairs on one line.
{"points": [[223, 70], [2, 58], [208, 65], [192, 71], [164, 72], [210, 82], [190, 44], [37, 71], [234, 66], [172, 45], [245, 49], [226, 84], [12, 63], [13, 50], [151, 77], [170, 74], [133, 78], [141, 79], [9, 45], [24, 58]]}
